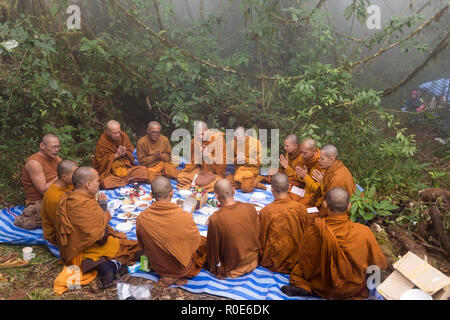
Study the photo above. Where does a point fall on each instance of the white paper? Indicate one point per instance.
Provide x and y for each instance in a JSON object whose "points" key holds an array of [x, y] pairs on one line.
{"points": [[298, 191], [312, 210]]}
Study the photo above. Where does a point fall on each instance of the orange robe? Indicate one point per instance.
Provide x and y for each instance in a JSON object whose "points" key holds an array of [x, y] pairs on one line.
{"points": [[116, 172], [146, 150], [308, 183], [232, 244], [283, 223], [246, 176], [335, 176], [294, 160], [50, 203], [209, 172], [171, 240], [80, 223], [334, 256], [49, 166]]}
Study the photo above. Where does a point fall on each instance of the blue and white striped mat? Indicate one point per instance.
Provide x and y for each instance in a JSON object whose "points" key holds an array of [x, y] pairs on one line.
{"points": [[261, 284]]}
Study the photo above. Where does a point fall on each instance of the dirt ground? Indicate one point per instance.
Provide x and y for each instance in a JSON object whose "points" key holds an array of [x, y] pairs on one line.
{"points": [[35, 282]]}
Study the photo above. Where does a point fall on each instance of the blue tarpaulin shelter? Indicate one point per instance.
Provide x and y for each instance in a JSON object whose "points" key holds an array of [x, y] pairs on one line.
{"points": [[438, 88]]}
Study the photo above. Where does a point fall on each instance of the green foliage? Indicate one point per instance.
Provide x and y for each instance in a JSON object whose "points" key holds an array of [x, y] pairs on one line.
{"points": [[68, 83], [365, 207]]}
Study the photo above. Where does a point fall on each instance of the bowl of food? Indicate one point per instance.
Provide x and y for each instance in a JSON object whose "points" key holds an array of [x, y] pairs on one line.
{"points": [[128, 207], [125, 191], [142, 205], [127, 215], [124, 227], [145, 197]]}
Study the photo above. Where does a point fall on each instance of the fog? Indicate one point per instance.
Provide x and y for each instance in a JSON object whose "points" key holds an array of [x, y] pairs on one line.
{"points": [[382, 73]]}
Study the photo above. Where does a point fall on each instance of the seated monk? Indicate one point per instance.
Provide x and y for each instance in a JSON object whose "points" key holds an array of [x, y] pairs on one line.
{"points": [[232, 243], [50, 202], [291, 160], [38, 174], [170, 238], [334, 254], [336, 175], [154, 152], [283, 223], [309, 162], [247, 153], [84, 237], [113, 159], [208, 159]]}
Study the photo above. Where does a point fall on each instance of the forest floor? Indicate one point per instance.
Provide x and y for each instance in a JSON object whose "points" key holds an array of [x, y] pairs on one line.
{"points": [[35, 281]]}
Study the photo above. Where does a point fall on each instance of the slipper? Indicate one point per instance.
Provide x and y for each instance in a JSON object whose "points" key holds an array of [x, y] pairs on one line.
{"points": [[12, 263]]}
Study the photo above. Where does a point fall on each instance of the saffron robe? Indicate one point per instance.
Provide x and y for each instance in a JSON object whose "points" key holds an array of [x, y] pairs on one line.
{"points": [[333, 258], [146, 150], [232, 243], [50, 203], [283, 223], [49, 166], [171, 240], [116, 172], [80, 223]]}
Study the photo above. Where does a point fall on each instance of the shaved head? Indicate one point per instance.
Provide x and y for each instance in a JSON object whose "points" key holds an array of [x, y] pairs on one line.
{"points": [[200, 125], [330, 151], [239, 132], [113, 130], [337, 200], [308, 148], [154, 130], [224, 189], [112, 125], [82, 175], [292, 138], [154, 124], [328, 156], [309, 144], [280, 183], [49, 146], [49, 138], [161, 188], [66, 167], [291, 144]]}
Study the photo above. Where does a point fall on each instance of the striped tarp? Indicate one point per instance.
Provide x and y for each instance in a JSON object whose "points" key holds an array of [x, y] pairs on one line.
{"points": [[438, 88], [260, 284]]}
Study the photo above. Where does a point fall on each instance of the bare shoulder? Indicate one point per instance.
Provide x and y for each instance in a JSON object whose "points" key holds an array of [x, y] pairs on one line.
{"points": [[33, 166]]}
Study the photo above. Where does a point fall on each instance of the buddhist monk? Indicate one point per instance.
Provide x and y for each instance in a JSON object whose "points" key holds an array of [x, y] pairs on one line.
{"points": [[283, 223], [232, 243], [38, 174], [208, 148], [154, 152], [334, 254], [170, 238], [84, 237], [50, 202], [292, 159], [309, 162], [248, 154], [113, 159], [336, 175]]}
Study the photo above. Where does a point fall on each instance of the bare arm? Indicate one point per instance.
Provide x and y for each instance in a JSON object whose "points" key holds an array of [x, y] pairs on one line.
{"points": [[37, 176]]}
